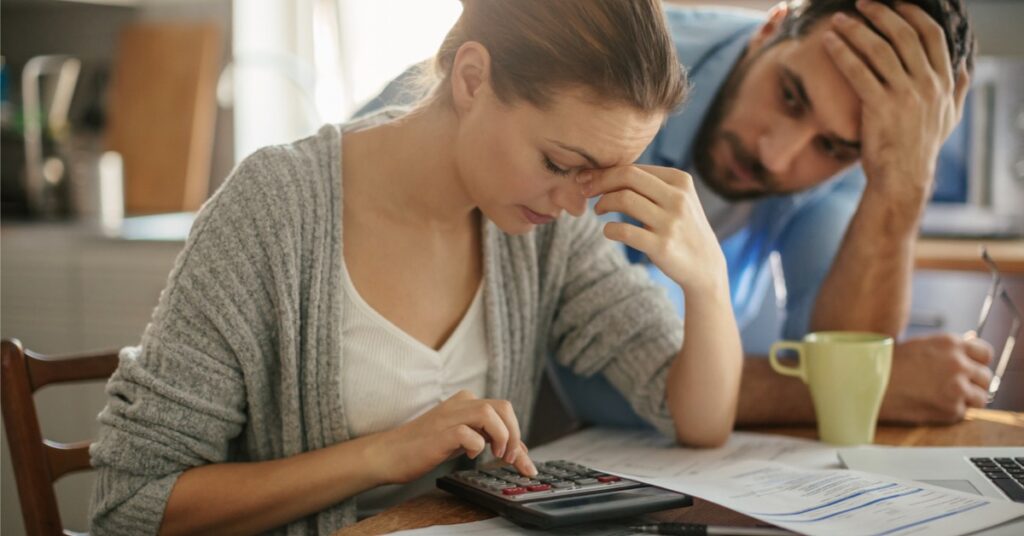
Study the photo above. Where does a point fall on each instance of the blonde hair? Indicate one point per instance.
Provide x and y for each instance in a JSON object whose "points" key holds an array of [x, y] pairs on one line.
{"points": [[618, 49]]}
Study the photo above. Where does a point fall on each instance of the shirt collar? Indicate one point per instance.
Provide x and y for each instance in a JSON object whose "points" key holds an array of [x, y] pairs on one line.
{"points": [[674, 143]]}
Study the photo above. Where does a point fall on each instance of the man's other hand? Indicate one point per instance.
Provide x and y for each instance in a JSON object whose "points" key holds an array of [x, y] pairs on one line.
{"points": [[935, 378]]}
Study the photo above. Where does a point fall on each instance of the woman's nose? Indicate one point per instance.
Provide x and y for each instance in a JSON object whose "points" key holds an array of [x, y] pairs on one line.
{"points": [[569, 197]]}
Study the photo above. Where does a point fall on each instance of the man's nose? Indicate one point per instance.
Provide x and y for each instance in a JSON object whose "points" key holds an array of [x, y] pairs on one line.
{"points": [[568, 197], [782, 143]]}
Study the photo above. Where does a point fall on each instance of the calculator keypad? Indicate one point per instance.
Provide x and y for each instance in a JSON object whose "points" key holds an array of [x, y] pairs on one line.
{"points": [[557, 477]]}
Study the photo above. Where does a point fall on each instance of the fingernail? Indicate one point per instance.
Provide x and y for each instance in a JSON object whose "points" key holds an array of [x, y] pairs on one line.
{"points": [[499, 452], [586, 188], [841, 19], [583, 176]]}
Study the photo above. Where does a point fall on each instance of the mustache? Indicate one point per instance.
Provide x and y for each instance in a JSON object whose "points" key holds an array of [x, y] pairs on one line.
{"points": [[745, 159]]}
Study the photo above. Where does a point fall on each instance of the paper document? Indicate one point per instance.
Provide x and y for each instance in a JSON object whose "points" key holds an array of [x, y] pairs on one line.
{"points": [[789, 482], [829, 501], [500, 527], [649, 453]]}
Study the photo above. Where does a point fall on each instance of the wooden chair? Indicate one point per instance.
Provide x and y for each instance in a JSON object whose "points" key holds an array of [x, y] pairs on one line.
{"points": [[38, 462]]}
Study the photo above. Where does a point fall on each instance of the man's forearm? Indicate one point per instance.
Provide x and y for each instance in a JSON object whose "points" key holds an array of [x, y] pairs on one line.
{"points": [[868, 287], [767, 397]]}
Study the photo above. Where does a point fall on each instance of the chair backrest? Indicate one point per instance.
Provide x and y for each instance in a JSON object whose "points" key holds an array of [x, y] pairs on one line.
{"points": [[39, 462]]}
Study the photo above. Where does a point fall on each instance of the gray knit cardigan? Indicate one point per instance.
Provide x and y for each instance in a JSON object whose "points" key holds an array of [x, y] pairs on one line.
{"points": [[242, 358]]}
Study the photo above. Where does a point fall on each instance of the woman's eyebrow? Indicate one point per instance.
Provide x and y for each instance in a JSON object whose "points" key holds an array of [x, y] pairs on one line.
{"points": [[590, 159]]}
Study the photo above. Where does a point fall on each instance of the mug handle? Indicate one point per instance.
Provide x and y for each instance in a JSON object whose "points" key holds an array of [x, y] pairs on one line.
{"points": [[800, 370]]}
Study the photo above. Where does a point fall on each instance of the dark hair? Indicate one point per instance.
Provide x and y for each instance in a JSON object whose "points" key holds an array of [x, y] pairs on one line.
{"points": [[618, 49], [950, 14]]}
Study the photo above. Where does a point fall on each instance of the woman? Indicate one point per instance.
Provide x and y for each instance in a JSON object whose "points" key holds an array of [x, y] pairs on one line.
{"points": [[355, 310]]}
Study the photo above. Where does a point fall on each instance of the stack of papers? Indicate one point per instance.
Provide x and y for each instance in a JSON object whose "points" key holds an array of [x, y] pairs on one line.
{"points": [[792, 483], [499, 526], [646, 453]]}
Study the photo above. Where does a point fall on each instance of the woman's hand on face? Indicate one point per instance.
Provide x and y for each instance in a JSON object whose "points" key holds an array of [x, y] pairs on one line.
{"points": [[460, 424], [676, 235]]}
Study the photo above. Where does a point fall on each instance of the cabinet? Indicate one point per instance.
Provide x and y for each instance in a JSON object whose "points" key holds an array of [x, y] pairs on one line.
{"points": [[68, 290]]}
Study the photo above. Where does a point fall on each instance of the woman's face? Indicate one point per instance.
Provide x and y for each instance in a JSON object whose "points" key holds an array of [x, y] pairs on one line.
{"points": [[519, 163]]}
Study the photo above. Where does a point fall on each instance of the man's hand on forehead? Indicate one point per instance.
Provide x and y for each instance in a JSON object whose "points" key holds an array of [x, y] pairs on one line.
{"points": [[898, 64]]}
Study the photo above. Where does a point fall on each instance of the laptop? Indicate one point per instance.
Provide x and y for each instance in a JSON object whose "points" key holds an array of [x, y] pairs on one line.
{"points": [[996, 472]]}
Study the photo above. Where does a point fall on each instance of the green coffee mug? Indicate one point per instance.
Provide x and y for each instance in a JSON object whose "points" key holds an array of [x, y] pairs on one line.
{"points": [[847, 373]]}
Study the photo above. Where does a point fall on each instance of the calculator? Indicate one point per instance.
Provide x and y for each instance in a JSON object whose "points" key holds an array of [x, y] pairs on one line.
{"points": [[563, 493]]}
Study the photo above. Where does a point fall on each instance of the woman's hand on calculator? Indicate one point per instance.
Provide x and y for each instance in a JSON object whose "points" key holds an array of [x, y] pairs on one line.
{"points": [[460, 424]]}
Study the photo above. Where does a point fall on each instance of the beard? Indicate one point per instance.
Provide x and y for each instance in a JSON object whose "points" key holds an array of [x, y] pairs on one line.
{"points": [[711, 134]]}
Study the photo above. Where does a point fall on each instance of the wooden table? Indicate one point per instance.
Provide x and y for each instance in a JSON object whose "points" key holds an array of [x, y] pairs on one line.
{"points": [[980, 428], [962, 254]]}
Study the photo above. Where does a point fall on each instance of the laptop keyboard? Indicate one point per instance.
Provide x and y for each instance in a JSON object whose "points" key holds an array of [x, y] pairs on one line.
{"points": [[1006, 473]]}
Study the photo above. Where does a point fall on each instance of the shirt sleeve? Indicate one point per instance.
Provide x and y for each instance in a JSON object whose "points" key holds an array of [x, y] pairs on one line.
{"points": [[178, 399], [808, 246], [613, 320]]}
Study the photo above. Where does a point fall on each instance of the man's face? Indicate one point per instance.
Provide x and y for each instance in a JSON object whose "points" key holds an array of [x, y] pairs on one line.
{"points": [[786, 120]]}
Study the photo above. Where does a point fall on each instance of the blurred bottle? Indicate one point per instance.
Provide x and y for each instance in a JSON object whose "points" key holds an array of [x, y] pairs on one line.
{"points": [[6, 106], [47, 131]]}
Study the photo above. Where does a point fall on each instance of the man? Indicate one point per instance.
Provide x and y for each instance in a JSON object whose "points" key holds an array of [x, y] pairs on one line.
{"points": [[780, 113]]}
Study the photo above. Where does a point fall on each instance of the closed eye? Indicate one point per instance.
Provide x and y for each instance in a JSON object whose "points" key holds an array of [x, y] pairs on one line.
{"points": [[554, 168]]}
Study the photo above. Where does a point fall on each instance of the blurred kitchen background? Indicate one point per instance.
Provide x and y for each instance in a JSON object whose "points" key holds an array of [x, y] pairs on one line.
{"points": [[121, 117]]}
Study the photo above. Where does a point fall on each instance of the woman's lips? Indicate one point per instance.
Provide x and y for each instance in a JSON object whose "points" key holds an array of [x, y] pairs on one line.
{"points": [[536, 218]]}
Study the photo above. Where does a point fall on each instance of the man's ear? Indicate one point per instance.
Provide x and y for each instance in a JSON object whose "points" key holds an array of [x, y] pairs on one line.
{"points": [[771, 27], [471, 72]]}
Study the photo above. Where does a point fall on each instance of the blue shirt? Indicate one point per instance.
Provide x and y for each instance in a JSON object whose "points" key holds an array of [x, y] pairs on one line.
{"points": [[806, 228]]}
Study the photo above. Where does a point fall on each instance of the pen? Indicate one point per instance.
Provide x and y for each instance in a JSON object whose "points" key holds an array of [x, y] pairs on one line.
{"points": [[693, 529]]}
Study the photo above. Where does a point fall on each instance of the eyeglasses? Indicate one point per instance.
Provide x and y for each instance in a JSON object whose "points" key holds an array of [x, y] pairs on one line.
{"points": [[997, 291]]}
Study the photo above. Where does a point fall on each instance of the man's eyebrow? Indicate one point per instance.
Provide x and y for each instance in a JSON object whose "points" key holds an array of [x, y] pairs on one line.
{"points": [[801, 94], [590, 159], [798, 84]]}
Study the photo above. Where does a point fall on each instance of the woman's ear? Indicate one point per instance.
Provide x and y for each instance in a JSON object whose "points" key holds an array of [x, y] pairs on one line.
{"points": [[471, 72], [771, 27]]}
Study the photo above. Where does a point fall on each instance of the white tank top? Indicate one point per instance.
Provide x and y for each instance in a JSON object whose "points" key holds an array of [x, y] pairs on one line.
{"points": [[389, 378]]}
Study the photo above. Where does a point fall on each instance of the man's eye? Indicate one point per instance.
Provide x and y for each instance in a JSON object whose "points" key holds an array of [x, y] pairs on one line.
{"points": [[553, 168], [789, 99], [830, 148]]}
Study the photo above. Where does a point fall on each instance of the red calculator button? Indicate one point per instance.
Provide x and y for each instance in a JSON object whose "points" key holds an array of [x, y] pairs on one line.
{"points": [[513, 491], [608, 478], [539, 487]]}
